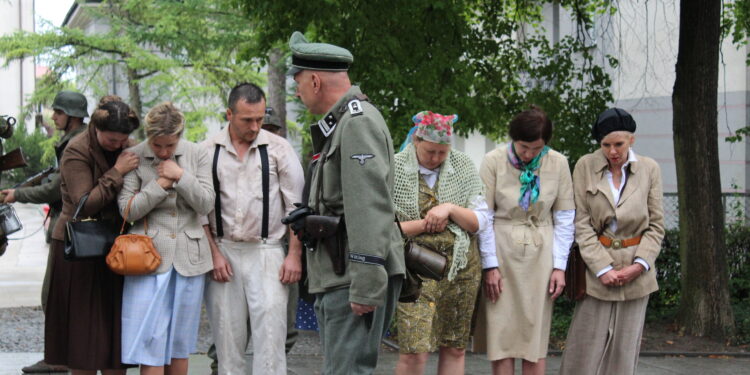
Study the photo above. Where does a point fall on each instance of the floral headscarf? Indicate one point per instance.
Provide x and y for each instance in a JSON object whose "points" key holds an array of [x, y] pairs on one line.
{"points": [[434, 127]]}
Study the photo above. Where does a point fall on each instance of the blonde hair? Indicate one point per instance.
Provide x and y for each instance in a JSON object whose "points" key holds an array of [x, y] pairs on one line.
{"points": [[164, 119]]}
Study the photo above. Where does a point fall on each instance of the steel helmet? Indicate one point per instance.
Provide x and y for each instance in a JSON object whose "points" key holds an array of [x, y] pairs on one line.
{"points": [[71, 103]]}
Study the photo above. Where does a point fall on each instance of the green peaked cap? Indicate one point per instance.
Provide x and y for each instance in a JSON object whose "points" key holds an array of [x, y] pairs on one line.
{"points": [[317, 56]]}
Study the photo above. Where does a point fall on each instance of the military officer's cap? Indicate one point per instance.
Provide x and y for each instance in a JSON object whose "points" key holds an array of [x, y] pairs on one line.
{"points": [[317, 56]]}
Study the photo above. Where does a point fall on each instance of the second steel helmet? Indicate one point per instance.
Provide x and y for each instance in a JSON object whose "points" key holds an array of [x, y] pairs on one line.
{"points": [[71, 103]]}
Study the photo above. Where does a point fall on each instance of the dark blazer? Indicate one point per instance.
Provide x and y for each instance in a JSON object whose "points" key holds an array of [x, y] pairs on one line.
{"points": [[84, 169]]}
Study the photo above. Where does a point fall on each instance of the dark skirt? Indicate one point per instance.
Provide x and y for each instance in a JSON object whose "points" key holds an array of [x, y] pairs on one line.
{"points": [[82, 321]]}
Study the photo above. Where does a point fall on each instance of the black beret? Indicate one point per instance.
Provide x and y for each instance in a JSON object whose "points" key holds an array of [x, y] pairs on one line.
{"points": [[612, 120]]}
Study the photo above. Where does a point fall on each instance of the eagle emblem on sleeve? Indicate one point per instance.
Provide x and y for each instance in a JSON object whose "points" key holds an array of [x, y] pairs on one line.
{"points": [[362, 158]]}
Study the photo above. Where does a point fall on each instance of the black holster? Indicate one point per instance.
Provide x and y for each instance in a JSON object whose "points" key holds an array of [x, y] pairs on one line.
{"points": [[330, 231]]}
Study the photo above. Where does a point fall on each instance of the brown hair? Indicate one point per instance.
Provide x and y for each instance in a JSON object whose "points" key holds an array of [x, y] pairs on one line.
{"points": [[164, 119], [109, 98], [530, 125], [115, 116]]}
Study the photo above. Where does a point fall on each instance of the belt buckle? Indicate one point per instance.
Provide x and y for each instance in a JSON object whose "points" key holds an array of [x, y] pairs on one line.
{"points": [[616, 244]]}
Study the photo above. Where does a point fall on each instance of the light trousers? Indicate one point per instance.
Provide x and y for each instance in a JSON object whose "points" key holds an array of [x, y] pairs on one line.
{"points": [[604, 337], [254, 292]]}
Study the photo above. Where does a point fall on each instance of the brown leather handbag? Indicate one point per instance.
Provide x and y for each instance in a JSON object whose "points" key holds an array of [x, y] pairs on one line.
{"points": [[575, 275], [133, 254]]}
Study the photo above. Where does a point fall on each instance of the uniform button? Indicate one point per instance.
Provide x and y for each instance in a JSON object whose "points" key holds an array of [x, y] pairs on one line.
{"points": [[173, 213], [172, 236]]}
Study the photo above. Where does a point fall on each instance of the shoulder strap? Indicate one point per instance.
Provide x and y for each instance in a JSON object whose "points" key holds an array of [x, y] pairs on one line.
{"points": [[264, 166], [217, 201], [81, 202]]}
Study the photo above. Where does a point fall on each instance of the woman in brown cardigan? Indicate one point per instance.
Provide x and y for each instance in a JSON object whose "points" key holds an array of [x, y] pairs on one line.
{"points": [[82, 329], [619, 227]]}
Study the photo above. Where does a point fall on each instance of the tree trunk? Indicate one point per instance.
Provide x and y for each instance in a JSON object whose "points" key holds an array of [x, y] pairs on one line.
{"points": [[704, 305], [134, 96], [277, 86]]}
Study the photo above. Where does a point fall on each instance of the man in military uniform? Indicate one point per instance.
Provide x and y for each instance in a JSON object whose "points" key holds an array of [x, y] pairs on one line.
{"points": [[70, 108], [351, 178]]}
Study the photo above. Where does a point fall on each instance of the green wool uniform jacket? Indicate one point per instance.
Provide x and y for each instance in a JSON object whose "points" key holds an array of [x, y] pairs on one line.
{"points": [[49, 190], [353, 176]]}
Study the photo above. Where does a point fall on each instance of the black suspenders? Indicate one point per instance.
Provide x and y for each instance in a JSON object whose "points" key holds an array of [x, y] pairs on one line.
{"points": [[217, 201], [266, 182], [264, 167]]}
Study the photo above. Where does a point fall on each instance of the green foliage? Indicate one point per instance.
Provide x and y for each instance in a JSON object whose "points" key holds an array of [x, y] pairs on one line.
{"points": [[34, 146], [664, 303], [485, 60], [185, 51]]}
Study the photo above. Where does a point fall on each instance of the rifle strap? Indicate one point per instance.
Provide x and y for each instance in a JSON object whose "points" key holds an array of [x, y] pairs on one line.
{"points": [[266, 177], [217, 201]]}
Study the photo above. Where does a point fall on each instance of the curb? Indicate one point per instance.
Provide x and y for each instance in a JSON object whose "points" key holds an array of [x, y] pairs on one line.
{"points": [[393, 345]]}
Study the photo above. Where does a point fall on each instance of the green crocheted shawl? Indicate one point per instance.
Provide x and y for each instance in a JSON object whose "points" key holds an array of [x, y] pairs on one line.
{"points": [[458, 183]]}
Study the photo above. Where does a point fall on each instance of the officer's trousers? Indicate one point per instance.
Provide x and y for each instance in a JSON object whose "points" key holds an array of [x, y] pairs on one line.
{"points": [[351, 342]]}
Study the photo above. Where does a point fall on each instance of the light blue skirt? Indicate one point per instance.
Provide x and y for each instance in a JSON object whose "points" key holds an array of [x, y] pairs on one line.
{"points": [[160, 317]]}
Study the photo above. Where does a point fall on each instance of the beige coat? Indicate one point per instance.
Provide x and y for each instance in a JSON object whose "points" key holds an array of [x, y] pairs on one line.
{"points": [[518, 324], [639, 213], [173, 214]]}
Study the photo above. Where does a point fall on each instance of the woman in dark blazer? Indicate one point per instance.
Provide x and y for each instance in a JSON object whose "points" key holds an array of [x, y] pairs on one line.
{"points": [[82, 328]]}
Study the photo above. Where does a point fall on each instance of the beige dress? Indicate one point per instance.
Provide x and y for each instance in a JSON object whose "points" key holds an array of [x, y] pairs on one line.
{"points": [[518, 324]]}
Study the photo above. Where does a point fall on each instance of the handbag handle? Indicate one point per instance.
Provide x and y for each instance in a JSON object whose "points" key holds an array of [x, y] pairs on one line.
{"points": [[125, 217], [81, 202]]}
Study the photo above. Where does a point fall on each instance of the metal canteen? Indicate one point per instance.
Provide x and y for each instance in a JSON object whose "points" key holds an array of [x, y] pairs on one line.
{"points": [[426, 262]]}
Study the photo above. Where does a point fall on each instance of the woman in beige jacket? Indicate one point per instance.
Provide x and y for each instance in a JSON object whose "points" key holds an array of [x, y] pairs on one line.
{"points": [[167, 194], [619, 227]]}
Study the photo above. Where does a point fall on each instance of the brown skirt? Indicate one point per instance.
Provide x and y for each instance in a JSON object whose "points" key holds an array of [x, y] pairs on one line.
{"points": [[82, 320]]}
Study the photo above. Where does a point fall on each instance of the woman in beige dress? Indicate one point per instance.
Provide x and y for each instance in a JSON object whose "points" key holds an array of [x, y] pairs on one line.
{"points": [[619, 227], [529, 189]]}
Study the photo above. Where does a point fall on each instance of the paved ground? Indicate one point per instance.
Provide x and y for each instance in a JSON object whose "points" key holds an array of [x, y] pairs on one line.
{"points": [[22, 270]]}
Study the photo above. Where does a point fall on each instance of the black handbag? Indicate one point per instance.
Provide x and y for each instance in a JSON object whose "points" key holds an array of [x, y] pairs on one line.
{"points": [[89, 238]]}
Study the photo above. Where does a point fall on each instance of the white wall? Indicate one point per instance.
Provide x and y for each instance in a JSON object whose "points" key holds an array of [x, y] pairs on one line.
{"points": [[17, 80]]}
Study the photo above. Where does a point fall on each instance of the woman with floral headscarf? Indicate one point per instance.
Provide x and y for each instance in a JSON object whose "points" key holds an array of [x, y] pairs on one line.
{"points": [[440, 203], [530, 191]]}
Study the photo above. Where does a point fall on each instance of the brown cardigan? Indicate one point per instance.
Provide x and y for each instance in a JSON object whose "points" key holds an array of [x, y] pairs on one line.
{"points": [[84, 169]]}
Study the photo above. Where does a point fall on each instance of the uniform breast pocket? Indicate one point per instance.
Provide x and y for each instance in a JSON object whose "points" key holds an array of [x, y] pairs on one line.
{"points": [[197, 245]]}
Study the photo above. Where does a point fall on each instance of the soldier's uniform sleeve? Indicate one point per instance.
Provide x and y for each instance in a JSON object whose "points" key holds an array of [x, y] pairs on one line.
{"points": [[48, 192], [368, 207]]}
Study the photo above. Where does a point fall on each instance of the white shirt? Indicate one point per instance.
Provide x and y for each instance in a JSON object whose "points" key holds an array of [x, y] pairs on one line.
{"points": [[564, 232], [484, 218], [616, 193]]}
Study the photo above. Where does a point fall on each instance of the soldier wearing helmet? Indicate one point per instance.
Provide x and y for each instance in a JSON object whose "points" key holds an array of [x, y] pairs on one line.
{"points": [[272, 122], [70, 108]]}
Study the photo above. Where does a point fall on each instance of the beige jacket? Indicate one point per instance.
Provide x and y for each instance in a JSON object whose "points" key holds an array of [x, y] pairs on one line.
{"points": [[639, 213], [173, 214]]}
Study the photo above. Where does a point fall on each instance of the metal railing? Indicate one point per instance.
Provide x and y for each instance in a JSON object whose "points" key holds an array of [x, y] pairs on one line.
{"points": [[736, 209]]}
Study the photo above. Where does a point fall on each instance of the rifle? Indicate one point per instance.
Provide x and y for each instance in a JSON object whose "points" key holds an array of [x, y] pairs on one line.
{"points": [[11, 160], [36, 179]]}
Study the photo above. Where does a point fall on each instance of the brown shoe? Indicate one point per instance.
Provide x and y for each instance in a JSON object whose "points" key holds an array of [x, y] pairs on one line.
{"points": [[43, 368]]}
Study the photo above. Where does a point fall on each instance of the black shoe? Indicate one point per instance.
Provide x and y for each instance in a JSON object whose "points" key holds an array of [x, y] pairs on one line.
{"points": [[42, 367]]}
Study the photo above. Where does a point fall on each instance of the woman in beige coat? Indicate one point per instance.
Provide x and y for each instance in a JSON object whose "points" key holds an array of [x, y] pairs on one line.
{"points": [[168, 194], [619, 227], [530, 191]]}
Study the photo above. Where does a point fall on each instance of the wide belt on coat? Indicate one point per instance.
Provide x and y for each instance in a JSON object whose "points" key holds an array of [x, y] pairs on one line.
{"points": [[619, 244]]}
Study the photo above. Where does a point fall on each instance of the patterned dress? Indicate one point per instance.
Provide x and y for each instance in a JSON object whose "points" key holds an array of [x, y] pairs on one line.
{"points": [[442, 315]]}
